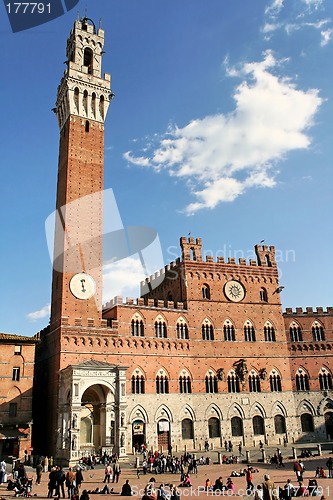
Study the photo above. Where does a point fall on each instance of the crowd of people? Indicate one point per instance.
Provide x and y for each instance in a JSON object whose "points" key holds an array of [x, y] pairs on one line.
{"points": [[68, 484]]}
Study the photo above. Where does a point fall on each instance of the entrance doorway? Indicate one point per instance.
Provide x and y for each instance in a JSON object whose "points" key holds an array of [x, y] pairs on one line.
{"points": [[138, 434], [163, 434], [329, 424]]}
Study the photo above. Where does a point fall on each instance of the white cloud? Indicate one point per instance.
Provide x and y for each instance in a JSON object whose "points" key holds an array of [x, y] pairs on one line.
{"points": [[270, 27], [313, 4], [274, 8], [326, 37], [224, 155], [136, 161], [123, 278], [44, 312]]}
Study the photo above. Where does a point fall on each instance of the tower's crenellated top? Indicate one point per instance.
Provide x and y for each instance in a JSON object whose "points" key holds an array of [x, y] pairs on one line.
{"points": [[83, 92], [265, 255], [191, 249]]}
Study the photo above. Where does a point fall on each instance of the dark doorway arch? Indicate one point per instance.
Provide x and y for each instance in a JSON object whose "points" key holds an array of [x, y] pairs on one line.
{"points": [[329, 424], [138, 433], [236, 426], [280, 424], [163, 434], [307, 422], [258, 425]]}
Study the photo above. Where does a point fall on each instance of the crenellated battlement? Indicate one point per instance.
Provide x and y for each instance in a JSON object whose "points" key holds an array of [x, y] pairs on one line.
{"points": [[307, 310], [151, 303]]}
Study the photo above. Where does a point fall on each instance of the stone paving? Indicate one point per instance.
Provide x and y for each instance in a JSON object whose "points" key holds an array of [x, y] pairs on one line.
{"points": [[94, 478]]}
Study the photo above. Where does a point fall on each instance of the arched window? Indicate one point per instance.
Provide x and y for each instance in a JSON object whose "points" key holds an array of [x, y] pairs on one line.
{"points": [[214, 427], [182, 329], [185, 386], [275, 382], [87, 126], [169, 297], [205, 290], [307, 422], [93, 104], [138, 384], [76, 98], [160, 328], [229, 331], [318, 332], [187, 429], [254, 382], [302, 380], [207, 330], [280, 424], [269, 332], [88, 59], [249, 332], [258, 425], [233, 382], [85, 103], [101, 106], [236, 426], [295, 332], [211, 383], [263, 295], [325, 380], [137, 327], [162, 383]]}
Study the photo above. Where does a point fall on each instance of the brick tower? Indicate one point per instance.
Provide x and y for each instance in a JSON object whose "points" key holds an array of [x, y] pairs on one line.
{"points": [[76, 307], [82, 103]]}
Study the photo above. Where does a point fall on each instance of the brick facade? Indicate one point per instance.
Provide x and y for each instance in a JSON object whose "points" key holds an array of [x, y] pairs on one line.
{"points": [[17, 357], [204, 353]]}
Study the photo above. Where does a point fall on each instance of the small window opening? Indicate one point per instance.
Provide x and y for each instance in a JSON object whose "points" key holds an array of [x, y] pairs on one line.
{"points": [[87, 126]]}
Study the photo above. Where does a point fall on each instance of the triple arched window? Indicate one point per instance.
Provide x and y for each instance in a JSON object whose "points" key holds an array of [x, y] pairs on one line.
{"points": [[137, 327], [229, 331], [162, 383], [318, 332], [233, 382], [302, 380], [254, 382], [185, 385], [325, 380], [269, 332], [249, 332], [160, 328], [138, 383], [207, 330], [211, 383], [295, 332], [182, 329], [275, 381]]}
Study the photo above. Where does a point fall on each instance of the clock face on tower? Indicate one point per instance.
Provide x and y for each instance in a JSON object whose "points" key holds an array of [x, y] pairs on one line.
{"points": [[234, 291], [82, 286]]}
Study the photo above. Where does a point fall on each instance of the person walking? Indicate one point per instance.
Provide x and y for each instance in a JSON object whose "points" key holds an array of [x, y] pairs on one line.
{"points": [[329, 465], [270, 491], [107, 473], [60, 482], [78, 477], [249, 480], [70, 482], [298, 469]]}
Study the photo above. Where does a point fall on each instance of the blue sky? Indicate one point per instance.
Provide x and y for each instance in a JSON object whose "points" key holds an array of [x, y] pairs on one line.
{"points": [[221, 127]]}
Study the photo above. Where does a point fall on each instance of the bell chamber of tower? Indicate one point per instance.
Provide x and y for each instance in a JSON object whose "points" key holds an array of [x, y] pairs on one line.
{"points": [[83, 91]]}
